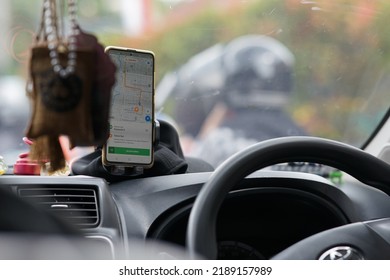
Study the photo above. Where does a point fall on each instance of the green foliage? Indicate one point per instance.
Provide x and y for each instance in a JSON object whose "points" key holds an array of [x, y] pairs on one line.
{"points": [[175, 47]]}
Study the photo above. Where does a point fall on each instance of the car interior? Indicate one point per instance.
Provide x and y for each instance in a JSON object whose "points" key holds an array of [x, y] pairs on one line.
{"points": [[298, 196], [233, 212]]}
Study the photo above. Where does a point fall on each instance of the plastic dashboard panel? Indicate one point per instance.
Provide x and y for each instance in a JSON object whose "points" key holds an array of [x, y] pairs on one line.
{"points": [[107, 233], [324, 204], [142, 208], [149, 205]]}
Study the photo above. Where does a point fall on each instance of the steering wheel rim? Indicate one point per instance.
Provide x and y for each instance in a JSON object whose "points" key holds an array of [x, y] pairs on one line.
{"points": [[201, 233]]}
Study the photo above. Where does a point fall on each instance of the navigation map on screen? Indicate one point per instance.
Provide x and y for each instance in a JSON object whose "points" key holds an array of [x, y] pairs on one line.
{"points": [[131, 117]]}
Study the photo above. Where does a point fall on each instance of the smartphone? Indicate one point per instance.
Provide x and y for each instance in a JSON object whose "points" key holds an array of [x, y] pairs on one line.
{"points": [[131, 121]]}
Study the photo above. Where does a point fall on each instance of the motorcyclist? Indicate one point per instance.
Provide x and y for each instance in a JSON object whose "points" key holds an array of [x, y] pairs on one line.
{"points": [[232, 96]]}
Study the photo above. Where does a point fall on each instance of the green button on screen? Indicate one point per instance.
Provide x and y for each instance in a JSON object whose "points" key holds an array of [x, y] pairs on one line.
{"points": [[128, 151]]}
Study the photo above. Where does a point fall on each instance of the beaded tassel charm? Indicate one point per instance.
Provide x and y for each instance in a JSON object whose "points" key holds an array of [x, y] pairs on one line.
{"points": [[70, 88]]}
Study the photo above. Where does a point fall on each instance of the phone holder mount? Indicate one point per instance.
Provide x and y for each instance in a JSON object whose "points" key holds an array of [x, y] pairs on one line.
{"points": [[133, 171], [168, 159]]}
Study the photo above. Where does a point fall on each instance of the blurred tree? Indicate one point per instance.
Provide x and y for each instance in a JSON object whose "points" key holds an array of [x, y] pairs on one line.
{"points": [[341, 49]]}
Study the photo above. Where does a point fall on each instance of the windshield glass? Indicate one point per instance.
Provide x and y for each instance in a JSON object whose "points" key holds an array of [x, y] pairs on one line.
{"points": [[229, 73]]}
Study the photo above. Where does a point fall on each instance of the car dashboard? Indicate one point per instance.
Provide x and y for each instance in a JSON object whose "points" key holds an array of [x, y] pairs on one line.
{"points": [[265, 213]]}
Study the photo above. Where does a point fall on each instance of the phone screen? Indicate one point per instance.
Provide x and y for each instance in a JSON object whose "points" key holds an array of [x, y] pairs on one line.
{"points": [[131, 119]]}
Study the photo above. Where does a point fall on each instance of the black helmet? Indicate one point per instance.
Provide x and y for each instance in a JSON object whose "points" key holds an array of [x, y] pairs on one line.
{"points": [[258, 72]]}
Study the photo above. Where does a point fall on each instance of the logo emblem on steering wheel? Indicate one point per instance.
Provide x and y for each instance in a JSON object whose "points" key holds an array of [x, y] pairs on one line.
{"points": [[342, 253]]}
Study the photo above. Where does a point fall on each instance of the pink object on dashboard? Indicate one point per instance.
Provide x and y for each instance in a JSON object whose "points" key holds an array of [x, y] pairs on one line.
{"points": [[26, 166]]}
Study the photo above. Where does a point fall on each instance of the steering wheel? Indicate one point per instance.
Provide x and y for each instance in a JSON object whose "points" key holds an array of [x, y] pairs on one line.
{"points": [[368, 240]]}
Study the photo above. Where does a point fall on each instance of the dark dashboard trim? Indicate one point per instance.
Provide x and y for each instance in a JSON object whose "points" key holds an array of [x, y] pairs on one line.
{"points": [[134, 208]]}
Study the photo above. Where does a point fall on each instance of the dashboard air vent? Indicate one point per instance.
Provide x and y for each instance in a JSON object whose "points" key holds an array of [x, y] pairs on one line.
{"points": [[77, 206]]}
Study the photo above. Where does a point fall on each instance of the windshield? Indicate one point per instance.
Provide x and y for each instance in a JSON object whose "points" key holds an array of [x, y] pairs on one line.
{"points": [[229, 73]]}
